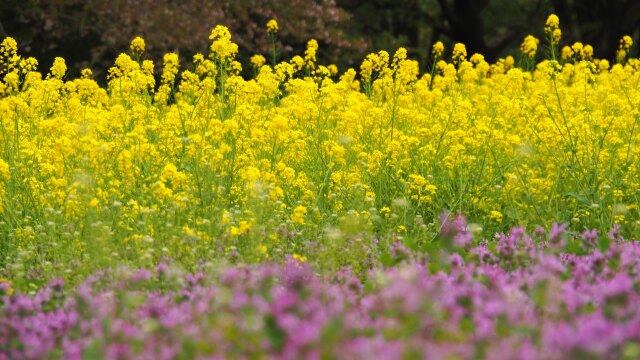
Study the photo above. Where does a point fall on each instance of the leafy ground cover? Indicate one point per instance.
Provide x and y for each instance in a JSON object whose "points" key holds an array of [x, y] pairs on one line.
{"points": [[517, 298]]}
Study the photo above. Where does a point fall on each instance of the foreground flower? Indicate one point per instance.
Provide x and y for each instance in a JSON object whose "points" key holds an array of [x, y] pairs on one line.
{"points": [[272, 26], [517, 301]]}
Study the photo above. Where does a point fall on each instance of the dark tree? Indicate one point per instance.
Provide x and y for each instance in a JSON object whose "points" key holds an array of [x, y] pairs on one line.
{"points": [[600, 23], [493, 27], [92, 32]]}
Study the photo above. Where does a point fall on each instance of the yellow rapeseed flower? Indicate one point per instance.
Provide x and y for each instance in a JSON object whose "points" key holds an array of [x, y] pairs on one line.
{"points": [[59, 68], [4, 170], [495, 215], [272, 26], [222, 48], [438, 49], [204, 154], [623, 48], [137, 45], [529, 46], [552, 29], [459, 53], [310, 53], [626, 42], [86, 73], [258, 60], [8, 47], [552, 23], [297, 217]]}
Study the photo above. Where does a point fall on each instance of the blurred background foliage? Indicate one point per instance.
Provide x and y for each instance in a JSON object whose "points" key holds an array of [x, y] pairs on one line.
{"points": [[90, 33]]}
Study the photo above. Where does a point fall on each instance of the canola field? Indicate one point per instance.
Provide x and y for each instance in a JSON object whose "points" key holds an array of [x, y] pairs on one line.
{"points": [[475, 210]]}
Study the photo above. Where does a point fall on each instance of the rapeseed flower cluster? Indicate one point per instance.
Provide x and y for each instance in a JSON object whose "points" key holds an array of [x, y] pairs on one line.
{"points": [[272, 26], [137, 45], [552, 29], [623, 48], [301, 159], [529, 46], [438, 49]]}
